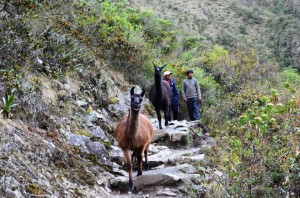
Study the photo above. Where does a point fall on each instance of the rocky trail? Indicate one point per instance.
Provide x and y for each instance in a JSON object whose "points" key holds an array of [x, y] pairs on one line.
{"points": [[175, 168], [84, 161], [31, 163]]}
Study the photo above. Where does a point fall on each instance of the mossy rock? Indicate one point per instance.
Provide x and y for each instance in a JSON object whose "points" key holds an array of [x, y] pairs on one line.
{"points": [[113, 100], [80, 175], [107, 144], [186, 140], [82, 132], [34, 189], [87, 177]]}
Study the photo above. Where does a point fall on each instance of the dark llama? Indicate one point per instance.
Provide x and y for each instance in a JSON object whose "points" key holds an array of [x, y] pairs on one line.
{"points": [[160, 95]]}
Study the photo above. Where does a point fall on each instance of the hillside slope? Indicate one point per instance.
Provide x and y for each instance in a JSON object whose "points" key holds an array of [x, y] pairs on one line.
{"points": [[65, 73], [215, 22], [269, 26]]}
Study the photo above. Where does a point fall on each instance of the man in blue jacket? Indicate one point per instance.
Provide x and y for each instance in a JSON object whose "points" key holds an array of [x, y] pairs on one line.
{"points": [[175, 95]]}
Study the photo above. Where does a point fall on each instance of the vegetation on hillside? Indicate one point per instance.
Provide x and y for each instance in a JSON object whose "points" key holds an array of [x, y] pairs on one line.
{"points": [[249, 101]]}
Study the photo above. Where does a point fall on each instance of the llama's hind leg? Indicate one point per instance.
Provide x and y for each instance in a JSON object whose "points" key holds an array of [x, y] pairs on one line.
{"points": [[133, 156], [139, 156], [166, 115], [146, 157]]}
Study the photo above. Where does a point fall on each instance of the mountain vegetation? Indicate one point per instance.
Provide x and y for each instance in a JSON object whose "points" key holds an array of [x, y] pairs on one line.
{"points": [[245, 54]]}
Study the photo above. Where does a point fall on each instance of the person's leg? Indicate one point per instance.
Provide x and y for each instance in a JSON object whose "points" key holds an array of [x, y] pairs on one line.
{"points": [[175, 111], [189, 104], [196, 112]]}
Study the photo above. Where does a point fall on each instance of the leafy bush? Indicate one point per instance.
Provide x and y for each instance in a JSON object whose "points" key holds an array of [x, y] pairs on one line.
{"points": [[263, 146], [190, 42], [12, 79], [236, 69], [113, 31], [291, 76]]}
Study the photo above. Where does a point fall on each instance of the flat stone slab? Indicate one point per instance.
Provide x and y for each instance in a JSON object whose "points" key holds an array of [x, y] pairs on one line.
{"points": [[176, 131], [169, 154], [168, 176]]}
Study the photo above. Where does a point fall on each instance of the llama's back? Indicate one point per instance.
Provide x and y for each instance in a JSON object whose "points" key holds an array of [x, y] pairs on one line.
{"points": [[143, 136], [152, 94], [166, 95], [167, 92]]}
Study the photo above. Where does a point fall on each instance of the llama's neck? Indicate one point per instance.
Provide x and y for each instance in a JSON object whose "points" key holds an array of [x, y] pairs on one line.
{"points": [[132, 123], [158, 85]]}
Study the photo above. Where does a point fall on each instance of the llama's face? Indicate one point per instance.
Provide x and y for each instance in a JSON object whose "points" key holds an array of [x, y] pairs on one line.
{"points": [[136, 100], [158, 70]]}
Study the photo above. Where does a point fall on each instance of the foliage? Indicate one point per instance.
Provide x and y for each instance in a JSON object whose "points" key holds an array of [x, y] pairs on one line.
{"points": [[291, 76], [285, 36], [252, 15], [190, 42], [157, 31], [236, 69], [8, 104], [263, 147], [226, 38], [290, 80], [12, 79], [114, 32]]}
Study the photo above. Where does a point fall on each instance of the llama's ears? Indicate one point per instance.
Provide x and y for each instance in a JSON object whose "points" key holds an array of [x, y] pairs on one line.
{"points": [[143, 93], [154, 65], [132, 91], [160, 67]]}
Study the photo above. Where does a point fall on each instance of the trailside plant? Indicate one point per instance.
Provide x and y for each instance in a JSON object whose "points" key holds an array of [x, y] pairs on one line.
{"points": [[8, 104], [263, 147]]}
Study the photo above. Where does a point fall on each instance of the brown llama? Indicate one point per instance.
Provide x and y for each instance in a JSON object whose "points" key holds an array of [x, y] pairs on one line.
{"points": [[160, 95], [134, 133]]}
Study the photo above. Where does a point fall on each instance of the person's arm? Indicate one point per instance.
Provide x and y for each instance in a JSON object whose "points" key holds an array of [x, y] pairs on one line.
{"points": [[175, 89], [198, 92], [183, 91]]}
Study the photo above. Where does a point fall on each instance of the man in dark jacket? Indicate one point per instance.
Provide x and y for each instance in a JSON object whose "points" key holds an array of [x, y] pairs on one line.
{"points": [[175, 95], [192, 95]]}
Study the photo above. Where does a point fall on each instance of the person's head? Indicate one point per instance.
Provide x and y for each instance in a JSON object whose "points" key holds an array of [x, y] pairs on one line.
{"points": [[167, 75], [190, 73]]}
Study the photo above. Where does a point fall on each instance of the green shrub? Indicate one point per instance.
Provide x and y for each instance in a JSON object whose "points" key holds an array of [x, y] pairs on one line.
{"points": [[190, 42], [243, 30], [292, 77], [260, 142]]}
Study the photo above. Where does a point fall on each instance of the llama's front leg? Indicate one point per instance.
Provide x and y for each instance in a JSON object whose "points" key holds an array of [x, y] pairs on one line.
{"points": [[129, 167], [158, 117]]}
